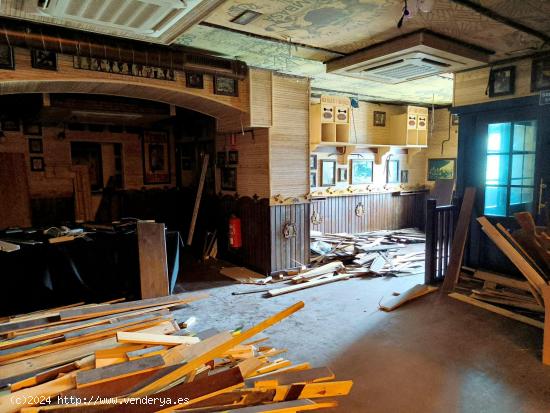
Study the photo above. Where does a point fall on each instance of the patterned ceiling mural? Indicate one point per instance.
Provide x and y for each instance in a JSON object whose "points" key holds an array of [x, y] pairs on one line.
{"points": [[282, 58]]}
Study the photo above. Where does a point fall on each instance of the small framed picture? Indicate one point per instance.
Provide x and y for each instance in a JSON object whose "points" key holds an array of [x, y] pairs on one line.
{"points": [[6, 57], [220, 159], [361, 171], [32, 129], [379, 118], [540, 74], [43, 59], [502, 81], [454, 119], [37, 164], [392, 171], [342, 174], [328, 173], [233, 157], [404, 176], [35, 145], [229, 179], [312, 179], [441, 168], [194, 80], [10, 125], [312, 162], [225, 86]]}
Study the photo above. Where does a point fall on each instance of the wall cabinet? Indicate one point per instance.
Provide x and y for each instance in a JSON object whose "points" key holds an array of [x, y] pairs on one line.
{"points": [[410, 128], [329, 120]]}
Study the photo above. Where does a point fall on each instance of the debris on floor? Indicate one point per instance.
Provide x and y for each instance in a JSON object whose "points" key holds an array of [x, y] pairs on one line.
{"points": [[521, 300], [376, 252], [136, 355], [412, 293], [243, 275]]}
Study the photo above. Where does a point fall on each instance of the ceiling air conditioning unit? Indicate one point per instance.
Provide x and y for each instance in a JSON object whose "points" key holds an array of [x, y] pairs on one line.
{"points": [[412, 56], [149, 18]]}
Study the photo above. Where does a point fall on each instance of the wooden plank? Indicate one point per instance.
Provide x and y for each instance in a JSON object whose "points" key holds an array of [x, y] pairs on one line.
{"points": [[145, 352], [287, 407], [15, 206], [198, 199], [546, 338], [304, 376], [397, 301], [153, 261], [517, 259], [206, 356], [48, 360], [313, 390], [127, 306], [120, 370], [154, 339], [183, 353], [502, 280], [497, 310], [284, 290], [459, 240]]}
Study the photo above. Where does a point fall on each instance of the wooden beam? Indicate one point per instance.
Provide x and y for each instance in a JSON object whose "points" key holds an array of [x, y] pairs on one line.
{"points": [[153, 261], [154, 339], [198, 199], [302, 286], [546, 339], [502, 280], [459, 240], [206, 356], [497, 310]]}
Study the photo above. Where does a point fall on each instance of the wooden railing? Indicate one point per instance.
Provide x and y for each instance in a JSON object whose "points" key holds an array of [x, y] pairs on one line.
{"points": [[440, 225]]}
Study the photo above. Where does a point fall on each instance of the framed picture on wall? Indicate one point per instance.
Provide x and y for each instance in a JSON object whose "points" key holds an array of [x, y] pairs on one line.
{"points": [[225, 86], [10, 125], [194, 80], [502, 81], [454, 120], [43, 59], [361, 171], [156, 158], [392, 171], [328, 172], [35, 145], [441, 168], [404, 176], [379, 118], [37, 163], [233, 157], [342, 174], [540, 74], [6, 57], [312, 179], [229, 179], [32, 129], [312, 162]]}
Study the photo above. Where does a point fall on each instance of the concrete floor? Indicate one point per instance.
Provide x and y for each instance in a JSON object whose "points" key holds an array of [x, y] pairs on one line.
{"points": [[433, 355]]}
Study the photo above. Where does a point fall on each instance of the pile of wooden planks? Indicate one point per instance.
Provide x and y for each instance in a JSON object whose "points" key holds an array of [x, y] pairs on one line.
{"points": [[377, 252], [137, 357], [521, 300]]}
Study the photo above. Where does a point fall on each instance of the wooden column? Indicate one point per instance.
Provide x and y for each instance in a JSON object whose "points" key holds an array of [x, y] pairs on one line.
{"points": [[153, 263], [431, 242]]}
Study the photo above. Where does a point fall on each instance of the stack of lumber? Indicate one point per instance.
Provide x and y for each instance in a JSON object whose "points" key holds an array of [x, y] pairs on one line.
{"points": [[137, 357], [521, 300], [377, 252]]}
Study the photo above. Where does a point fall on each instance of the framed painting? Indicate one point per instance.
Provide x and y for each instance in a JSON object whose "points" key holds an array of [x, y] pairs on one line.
{"points": [[540, 74], [361, 171], [441, 168], [379, 118], [194, 80], [6, 57], [43, 59], [392, 171], [225, 86], [233, 157], [502, 81], [328, 172], [37, 164], [229, 179], [156, 158], [312, 162], [35, 145], [342, 174], [312, 179]]}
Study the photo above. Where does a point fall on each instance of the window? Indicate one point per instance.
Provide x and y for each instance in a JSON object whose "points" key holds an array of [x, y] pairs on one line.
{"points": [[510, 170]]}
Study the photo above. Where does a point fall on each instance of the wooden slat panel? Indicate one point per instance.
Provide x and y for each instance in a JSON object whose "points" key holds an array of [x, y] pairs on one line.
{"points": [[15, 207], [153, 262]]}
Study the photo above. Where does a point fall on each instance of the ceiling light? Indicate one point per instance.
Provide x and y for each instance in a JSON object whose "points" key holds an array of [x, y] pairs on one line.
{"points": [[246, 17]]}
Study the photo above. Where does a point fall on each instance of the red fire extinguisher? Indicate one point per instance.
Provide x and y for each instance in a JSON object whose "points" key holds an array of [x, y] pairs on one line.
{"points": [[235, 240]]}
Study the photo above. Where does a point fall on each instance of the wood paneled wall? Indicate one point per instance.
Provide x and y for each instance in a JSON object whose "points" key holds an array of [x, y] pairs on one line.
{"points": [[470, 87], [14, 191], [253, 166], [289, 137], [261, 98], [293, 251], [381, 211]]}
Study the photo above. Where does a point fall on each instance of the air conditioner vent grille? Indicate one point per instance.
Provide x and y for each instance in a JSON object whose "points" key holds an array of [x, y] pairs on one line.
{"points": [[407, 70]]}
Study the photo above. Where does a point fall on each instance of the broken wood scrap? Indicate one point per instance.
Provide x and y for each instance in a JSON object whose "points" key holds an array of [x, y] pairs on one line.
{"points": [[309, 284], [412, 293]]}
